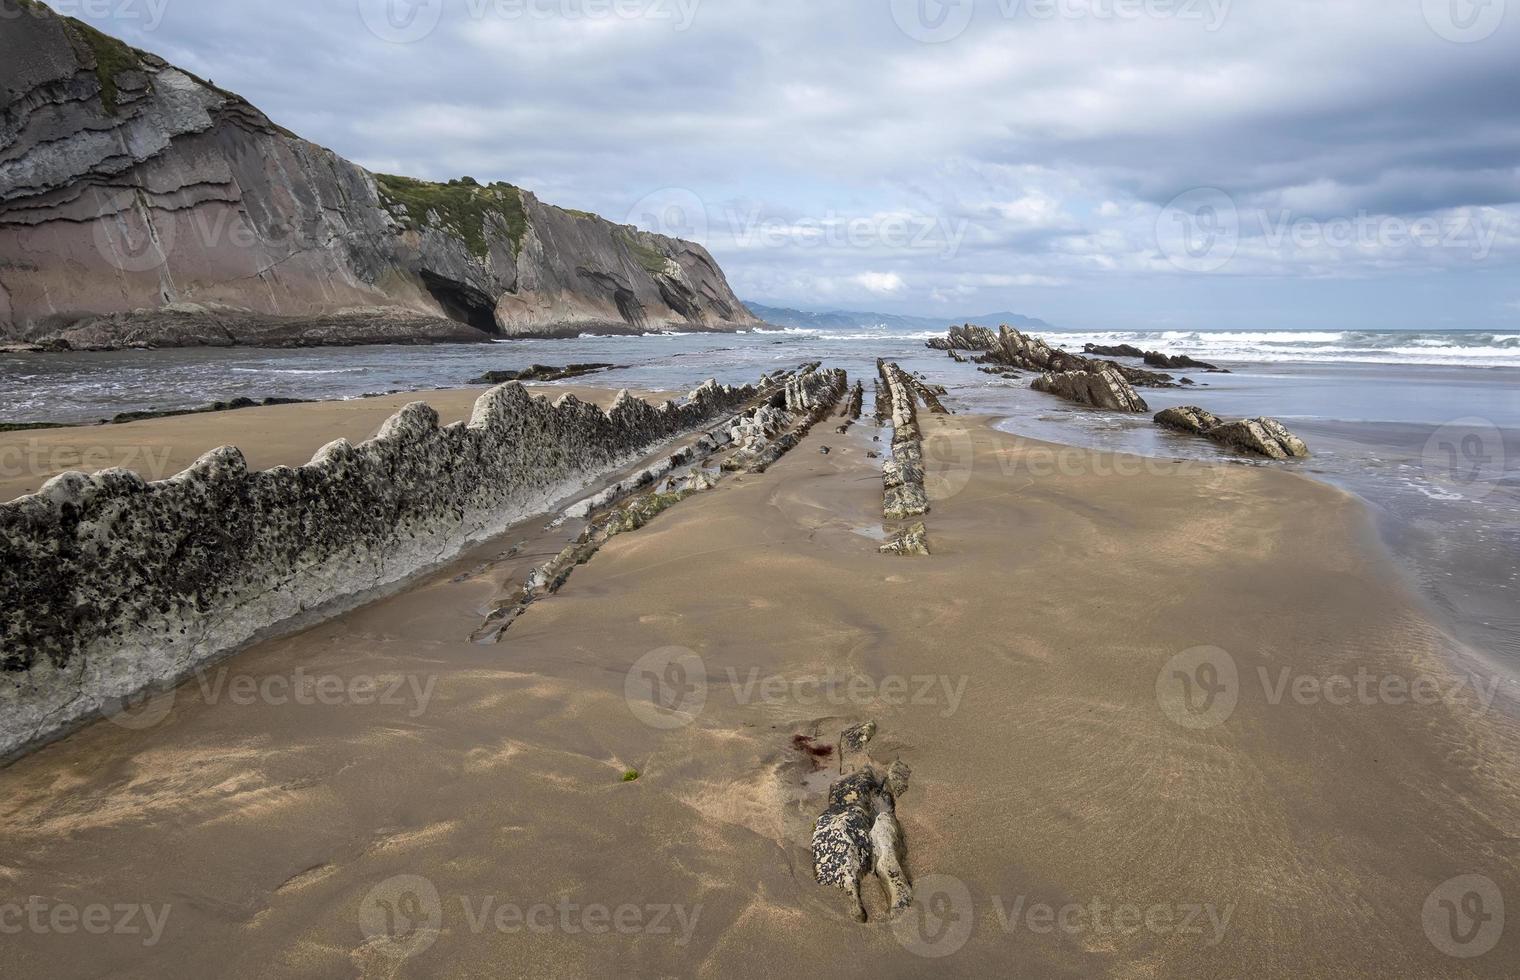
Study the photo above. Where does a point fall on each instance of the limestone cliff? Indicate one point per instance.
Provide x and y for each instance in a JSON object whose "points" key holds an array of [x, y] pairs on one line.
{"points": [[139, 203]]}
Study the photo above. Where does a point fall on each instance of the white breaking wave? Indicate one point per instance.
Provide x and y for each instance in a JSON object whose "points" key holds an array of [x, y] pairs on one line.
{"points": [[1472, 348]]}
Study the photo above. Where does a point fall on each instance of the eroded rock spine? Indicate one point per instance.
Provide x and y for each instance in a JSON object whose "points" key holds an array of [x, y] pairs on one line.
{"points": [[110, 585]]}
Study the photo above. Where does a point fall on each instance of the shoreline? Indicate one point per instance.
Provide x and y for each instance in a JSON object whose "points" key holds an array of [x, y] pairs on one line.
{"points": [[1060, 595], [447, 333]]}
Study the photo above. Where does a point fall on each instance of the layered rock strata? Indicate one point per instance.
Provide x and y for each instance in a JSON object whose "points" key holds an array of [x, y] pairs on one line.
{"points": [[904, 495], [110, 584], [1100, 384], [1260, 436], [762, 434], [142, 205]]}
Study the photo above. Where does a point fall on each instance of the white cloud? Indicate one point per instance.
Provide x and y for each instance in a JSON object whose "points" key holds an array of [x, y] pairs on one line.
{"points": [[885, 283]]}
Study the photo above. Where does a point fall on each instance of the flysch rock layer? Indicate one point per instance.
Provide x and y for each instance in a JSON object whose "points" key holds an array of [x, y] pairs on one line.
{"points": [[1261, 436], [903, 493], [140, 204], [1101, 384], [110, 585]]}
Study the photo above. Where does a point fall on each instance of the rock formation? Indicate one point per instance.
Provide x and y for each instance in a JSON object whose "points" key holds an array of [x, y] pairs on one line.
{"points": [[911, 540], [110, 584], [1102, 384], [904, 495], [1262, 436], [859, 833], [142, 205], [1101, 388], [1177, 362], [610, 512], [1116, 350], [542, 372]]}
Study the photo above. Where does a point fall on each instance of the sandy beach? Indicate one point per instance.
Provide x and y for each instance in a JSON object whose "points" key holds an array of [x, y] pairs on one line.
{"points": [[1068, 814]]}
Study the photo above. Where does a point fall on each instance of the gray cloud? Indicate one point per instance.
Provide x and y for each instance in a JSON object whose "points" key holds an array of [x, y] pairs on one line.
{"points": [[1043, 148]]}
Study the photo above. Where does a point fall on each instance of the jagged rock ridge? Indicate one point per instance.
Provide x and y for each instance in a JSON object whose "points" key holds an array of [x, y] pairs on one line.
{"points": [[141, 204]]}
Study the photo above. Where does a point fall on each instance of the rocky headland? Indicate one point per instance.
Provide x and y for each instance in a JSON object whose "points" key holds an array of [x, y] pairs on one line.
{"points": [[141, 205]]}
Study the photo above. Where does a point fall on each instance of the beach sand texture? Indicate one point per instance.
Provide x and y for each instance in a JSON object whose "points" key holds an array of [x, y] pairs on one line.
{"points": [[1016, 671]]}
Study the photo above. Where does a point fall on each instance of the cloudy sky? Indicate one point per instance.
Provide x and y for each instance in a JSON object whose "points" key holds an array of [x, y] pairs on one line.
{"points": [[1099, 163]]}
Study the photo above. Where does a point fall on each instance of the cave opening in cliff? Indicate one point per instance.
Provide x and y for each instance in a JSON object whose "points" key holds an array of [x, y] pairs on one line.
{"points": [[463, 302]]}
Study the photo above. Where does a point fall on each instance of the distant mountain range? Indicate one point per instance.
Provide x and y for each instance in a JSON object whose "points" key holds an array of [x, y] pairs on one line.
{"points": [[849, 319]]}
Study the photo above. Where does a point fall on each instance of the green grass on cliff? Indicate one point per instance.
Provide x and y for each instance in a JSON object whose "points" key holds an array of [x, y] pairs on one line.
{"points": [[460, 207], [651, 258], [112, 57]]}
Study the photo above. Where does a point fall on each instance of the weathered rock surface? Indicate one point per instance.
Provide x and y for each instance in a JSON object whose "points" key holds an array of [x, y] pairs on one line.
{"points": [[1103, 388], [1010, 348], [912, 540], [1188, 418], [1153, 358], [903, 494], [541, 372], [1117, 350], [969, 337], [1180, 362], [141, 205], [1262, 436], [859, 833], [110, 584]]}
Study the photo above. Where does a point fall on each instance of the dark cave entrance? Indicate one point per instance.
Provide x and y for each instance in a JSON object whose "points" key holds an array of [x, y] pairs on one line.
{"points": [[463, 302]]}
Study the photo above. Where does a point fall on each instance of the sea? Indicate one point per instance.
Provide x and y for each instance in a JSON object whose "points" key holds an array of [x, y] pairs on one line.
{"points": [[1423, 426]]}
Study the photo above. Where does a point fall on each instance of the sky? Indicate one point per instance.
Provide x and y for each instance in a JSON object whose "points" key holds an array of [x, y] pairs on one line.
{"points": [[1126, 164]]}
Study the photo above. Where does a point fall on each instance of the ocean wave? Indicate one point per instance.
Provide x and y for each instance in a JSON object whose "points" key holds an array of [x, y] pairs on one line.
{"points": [[261, 370], [1477, 348]]}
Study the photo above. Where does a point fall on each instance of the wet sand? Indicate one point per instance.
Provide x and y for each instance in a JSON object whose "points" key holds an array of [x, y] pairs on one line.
{"points": [[1025, 672], [277, 435]]}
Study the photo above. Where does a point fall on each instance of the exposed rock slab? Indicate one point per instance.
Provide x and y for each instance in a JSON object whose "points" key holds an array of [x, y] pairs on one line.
{"points": [[110, 584], [1102, 388]]}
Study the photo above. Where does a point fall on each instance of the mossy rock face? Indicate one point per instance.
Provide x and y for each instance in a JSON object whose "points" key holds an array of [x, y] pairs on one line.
{"points": [[112, 58], [460, 207], [652, 259]]}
